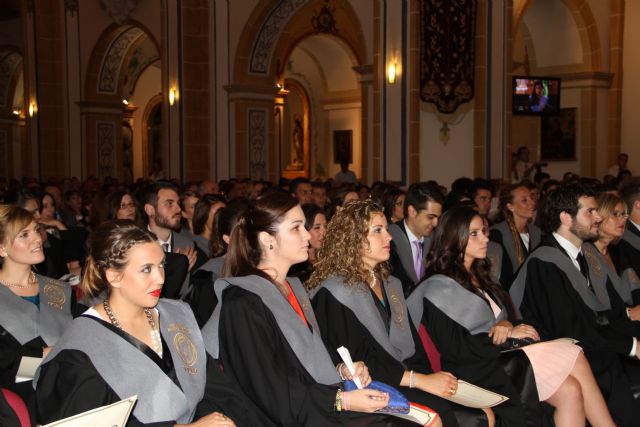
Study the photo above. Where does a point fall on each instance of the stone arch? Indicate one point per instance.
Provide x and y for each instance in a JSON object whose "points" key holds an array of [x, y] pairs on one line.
{"points": [[11, 70], [112, 52], [279, 33], [119, 57], [253, 91], [585, 22]]}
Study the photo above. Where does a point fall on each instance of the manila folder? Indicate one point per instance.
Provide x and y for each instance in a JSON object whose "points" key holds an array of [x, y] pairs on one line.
{"points": [[114, 415]]}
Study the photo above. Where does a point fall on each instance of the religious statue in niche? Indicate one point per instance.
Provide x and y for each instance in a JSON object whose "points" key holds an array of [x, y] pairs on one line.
{"points": [[297, 139]]}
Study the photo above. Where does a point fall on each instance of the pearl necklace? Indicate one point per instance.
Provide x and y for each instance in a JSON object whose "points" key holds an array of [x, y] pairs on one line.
{"points": [[30, 282], [155, 333]]}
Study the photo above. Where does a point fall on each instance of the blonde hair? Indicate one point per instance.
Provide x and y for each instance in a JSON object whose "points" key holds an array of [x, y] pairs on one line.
{"points": [[341, 252], [13, 220], [507, 196], [607, 203]]}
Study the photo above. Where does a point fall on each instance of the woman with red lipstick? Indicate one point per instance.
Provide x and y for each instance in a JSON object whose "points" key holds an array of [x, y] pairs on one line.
{"points": [[361, 307], [514, 230], [133, 343], [469, 317], [34, 310]]}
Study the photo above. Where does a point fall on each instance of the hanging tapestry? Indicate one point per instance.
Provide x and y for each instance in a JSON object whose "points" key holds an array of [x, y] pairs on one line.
{"points": [[446, 52]]}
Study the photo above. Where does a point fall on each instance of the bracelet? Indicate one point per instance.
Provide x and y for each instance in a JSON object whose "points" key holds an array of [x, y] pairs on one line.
{"points": [[339, 370], [339, 400], [344, 401], [411, 380]]}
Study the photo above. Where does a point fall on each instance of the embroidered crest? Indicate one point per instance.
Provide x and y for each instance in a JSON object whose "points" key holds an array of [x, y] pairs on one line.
{"points": [[397, 309], [593, 261], [54, 294], [187, 351]]}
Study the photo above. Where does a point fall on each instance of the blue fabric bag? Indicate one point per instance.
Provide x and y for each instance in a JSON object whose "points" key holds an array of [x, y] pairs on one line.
{"points": [[398, 404]]}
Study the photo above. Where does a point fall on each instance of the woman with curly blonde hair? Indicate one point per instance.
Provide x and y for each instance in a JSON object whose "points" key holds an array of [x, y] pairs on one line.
{"points": [[358, 305]]}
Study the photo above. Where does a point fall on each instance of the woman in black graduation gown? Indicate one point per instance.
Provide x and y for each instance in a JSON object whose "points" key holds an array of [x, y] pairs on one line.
{"points": [[514, 231], [265, 334], [469, 317], [315, 221], [34, 310], [359, 306], [135, 344]]}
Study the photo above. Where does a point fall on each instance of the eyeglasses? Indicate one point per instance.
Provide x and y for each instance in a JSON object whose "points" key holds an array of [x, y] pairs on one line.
{"points": [[618, 215], [127, 206]]}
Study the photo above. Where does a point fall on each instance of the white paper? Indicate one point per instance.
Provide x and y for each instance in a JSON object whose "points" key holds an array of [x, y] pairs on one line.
{"points": [[475, 397], [346, 358], [114, 415], [27, 368]]}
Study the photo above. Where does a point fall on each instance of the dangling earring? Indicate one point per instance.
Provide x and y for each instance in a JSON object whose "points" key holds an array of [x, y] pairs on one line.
{"points": [[270, 247]]}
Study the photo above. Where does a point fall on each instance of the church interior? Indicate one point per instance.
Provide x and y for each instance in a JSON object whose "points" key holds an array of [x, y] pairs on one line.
{"points": [[404, 90]]}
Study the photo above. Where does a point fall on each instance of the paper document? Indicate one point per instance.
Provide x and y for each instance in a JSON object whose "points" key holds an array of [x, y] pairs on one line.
{"points": [[419, 414], [27, 368], [475, 397], [114, 415], [346, 358]]}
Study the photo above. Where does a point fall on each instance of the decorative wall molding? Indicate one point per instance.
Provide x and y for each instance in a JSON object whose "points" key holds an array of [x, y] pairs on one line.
{"points": [[112, 61], [10, 63], [105, 148], [269, 33], [119, 10], [71, 6], [257, 140]]}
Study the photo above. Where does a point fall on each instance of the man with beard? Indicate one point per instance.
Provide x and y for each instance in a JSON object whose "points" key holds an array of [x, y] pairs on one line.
{"points": [[159, 201], [411, 237], [554, 292]]}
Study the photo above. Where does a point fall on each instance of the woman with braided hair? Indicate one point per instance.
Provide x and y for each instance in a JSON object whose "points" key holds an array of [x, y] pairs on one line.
{"points": [[514, 230], [134, 343]]}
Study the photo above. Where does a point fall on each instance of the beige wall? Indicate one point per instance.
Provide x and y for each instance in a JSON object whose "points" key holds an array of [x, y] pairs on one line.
{"points": [[630, 139]]}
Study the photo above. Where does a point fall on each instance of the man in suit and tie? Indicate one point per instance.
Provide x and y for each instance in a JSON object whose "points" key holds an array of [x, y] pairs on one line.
{"points": [[554, 292], [160, 204], [411, 236]]}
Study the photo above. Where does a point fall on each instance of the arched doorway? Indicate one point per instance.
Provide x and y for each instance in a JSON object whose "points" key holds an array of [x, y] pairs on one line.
{"points": [[124, 74], [324, 91], [301, 50]]}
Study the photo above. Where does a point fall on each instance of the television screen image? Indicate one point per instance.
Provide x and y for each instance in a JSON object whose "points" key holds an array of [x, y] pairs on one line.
{"points": [[536, 95]]}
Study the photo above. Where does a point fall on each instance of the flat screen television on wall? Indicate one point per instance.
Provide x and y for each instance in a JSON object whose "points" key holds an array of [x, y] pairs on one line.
{"points": [[535, 95]]}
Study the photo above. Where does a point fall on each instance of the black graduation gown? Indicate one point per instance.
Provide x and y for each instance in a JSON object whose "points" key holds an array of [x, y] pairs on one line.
{"points": [[11, 353], [340, 327], [202, 298], [255, 353], [477, 360], [70, 384], [556, 310], [625, 256]]}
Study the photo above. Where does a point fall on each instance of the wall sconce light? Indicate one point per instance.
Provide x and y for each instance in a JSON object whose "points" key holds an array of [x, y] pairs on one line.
{"points": [[16, 112], [173, 95], [125, 102], [391, 73], [33, 109]]}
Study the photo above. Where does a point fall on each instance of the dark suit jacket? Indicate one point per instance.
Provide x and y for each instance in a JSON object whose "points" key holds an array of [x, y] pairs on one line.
{"points": [[401, 259]]}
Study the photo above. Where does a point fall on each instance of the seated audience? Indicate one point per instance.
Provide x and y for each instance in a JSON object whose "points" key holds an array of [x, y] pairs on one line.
{"points": [[361, 307]]}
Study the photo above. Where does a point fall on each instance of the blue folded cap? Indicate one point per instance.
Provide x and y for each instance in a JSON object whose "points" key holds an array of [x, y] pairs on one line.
{"points": [[398, 404]]}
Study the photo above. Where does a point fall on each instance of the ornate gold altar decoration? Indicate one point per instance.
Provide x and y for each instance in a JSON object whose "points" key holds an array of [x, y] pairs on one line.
{"points": [[447, 52]]}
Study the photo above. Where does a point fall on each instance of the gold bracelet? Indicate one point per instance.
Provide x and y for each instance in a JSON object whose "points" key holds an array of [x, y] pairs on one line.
{"points": [[339, 400]]}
